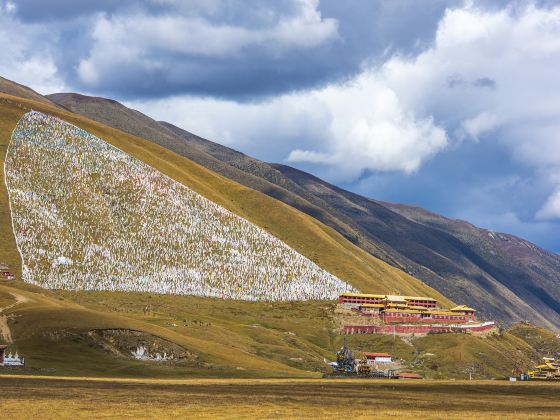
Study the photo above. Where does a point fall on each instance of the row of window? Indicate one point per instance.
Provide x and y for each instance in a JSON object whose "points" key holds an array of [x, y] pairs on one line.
{"points": [[402, 315], [378, 300]]}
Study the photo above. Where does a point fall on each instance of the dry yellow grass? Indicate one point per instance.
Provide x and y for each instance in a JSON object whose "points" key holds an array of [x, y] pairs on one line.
{"points": [[233, 339], [36, 397], [50, 332]]}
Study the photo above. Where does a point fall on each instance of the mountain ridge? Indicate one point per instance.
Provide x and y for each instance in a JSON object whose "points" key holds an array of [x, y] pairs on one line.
{"points": [[317, 242], [223, 337], [461, 262]]}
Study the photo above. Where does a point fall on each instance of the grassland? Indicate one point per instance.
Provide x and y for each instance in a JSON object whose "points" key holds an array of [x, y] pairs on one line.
{"points": [[51, 331], [36, 397], [229, 338]]}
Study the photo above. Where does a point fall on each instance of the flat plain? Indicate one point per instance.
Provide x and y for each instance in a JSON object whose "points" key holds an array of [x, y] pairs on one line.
{"points": [[60, 397]]}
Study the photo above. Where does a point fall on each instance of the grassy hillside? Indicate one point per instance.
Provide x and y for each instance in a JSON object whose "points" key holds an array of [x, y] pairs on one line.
{"points": [[506, 278], [90, 217], [58, 336], [321, 244], [456, 355], [62, 333], [542, 340]]}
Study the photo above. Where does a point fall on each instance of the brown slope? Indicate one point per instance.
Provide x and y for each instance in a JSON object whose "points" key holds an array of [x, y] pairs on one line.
{"points": [[464, 267], [12, 88], [510, 279]]}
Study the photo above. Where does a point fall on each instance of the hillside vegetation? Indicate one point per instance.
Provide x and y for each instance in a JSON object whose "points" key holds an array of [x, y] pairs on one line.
{"points": [[57, 334], [82, 333], [88, 216], [504, 277], [322, 245]]}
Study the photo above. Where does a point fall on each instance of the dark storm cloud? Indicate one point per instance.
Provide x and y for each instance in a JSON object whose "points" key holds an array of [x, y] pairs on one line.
{"points": [[252, 75]]}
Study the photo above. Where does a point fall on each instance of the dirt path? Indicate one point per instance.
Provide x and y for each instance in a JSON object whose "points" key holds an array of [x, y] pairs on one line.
{"points": [[5, 332]]}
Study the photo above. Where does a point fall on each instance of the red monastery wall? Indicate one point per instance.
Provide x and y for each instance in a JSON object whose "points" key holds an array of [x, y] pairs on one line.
{"points": [[414, 329]]}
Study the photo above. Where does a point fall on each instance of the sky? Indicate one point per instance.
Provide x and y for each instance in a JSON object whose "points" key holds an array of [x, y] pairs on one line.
{"points": [[453, 106]]}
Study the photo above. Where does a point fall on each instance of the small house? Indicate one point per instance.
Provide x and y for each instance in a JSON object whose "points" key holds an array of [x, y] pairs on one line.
{"points": [[465, 311], [6, 273], [14, 360], [375, 358]]}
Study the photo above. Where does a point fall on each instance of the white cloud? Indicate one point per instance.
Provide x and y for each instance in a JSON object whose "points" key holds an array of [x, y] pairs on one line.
{"points": [[10, 7], [486, 69], [140, 38], [479, 125], [298, 155], [21, 60], [490, 68], [370, 129], [551, 208], [356, 126]]}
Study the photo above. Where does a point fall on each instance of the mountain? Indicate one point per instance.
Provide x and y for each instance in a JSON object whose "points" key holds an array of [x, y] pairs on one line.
{"points": [[514, 279], [310, 238], [505, 277], [115, 333], [15, 89], [78, 332]]}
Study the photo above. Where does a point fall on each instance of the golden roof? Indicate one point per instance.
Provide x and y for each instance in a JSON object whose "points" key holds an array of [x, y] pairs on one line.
{"points": [[442, 313], [397, 298], [463, 308], [419, 298], [364, 295], [546, 366]]}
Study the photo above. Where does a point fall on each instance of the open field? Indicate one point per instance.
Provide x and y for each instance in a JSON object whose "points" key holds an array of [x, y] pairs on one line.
{"points": [[39, 397]]}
